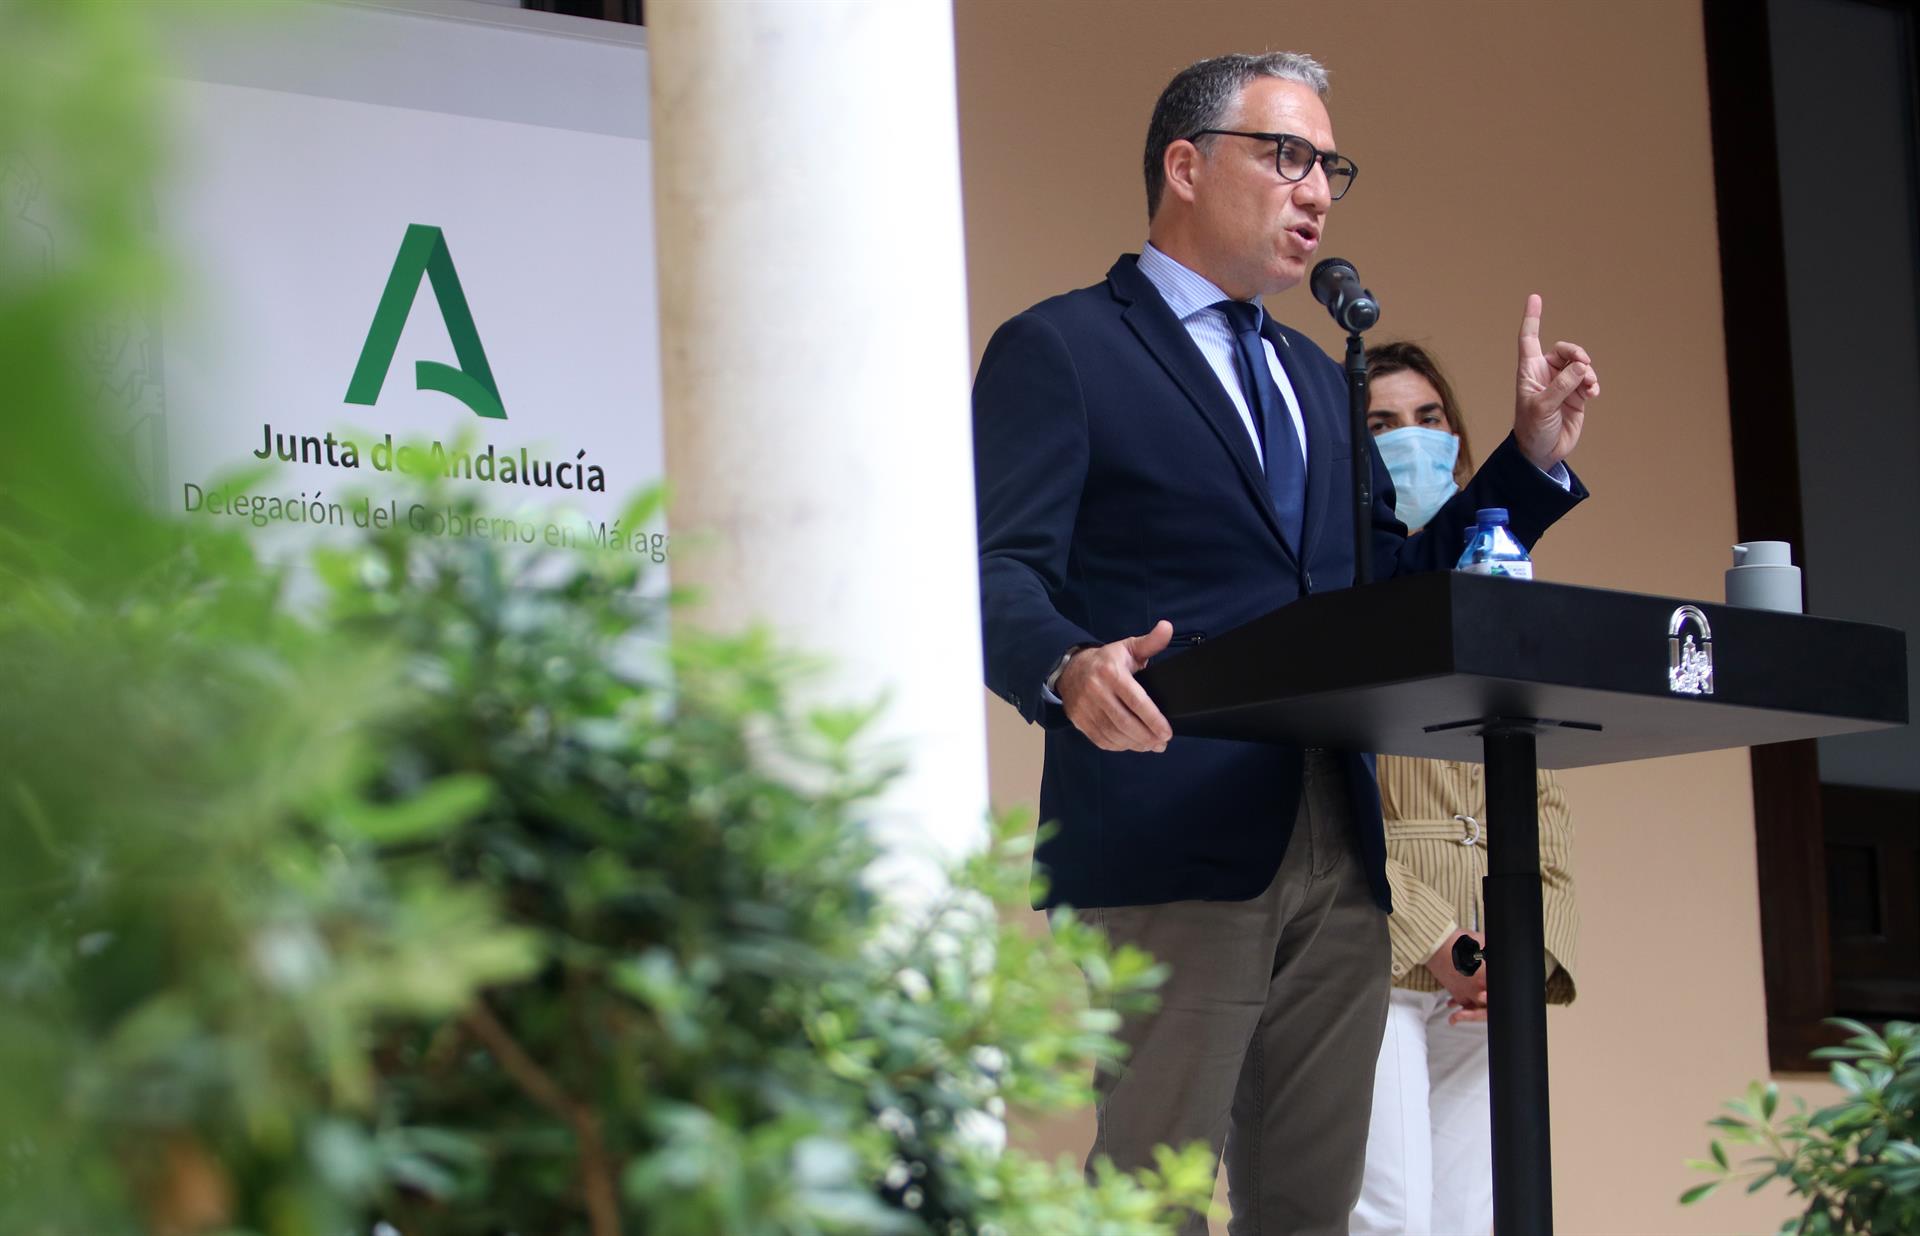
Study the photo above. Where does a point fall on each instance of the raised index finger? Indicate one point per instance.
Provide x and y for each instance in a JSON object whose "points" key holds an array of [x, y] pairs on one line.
{"points": [[1530, 330]]}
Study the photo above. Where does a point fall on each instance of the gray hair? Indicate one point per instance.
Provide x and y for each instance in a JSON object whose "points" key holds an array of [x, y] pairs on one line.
{"points": [[1199, 96]]}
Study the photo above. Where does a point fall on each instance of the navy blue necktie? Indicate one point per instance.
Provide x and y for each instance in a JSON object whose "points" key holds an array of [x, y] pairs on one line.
{"points": [[1286, 470]]}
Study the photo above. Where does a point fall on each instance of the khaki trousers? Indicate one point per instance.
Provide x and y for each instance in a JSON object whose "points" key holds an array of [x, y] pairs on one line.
{"points": [[1267, 1033]]}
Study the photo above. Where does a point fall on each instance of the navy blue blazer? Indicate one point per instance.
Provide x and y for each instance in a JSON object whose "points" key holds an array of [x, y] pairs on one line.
{"points": [[1116, 486]]}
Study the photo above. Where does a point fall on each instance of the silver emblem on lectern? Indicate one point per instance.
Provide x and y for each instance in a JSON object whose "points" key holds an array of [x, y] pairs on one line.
{"points": [[1689, 652]]}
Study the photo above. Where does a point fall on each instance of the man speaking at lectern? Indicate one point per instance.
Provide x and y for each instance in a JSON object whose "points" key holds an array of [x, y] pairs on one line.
{"points": [[1159, 461]]}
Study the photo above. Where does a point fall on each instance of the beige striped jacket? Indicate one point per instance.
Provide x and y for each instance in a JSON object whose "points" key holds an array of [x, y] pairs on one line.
{"points": [[1436, 856]]}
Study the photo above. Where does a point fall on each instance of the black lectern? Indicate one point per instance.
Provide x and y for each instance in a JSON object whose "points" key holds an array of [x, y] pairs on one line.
{"points": [[1524, 675]]}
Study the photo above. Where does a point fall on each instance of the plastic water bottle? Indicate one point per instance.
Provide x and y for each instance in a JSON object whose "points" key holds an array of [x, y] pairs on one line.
{"points": [[1492, 550]]}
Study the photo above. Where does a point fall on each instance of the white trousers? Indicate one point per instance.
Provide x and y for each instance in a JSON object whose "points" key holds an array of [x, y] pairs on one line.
{"points": [[1430, 1145]]}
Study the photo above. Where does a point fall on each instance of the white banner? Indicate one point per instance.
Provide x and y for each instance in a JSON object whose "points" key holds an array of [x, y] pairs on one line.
{"points": [[375, 289]]}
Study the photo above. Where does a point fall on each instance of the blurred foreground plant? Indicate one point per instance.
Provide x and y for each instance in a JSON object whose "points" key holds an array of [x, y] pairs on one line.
{"points": [[472, 909], [727, 1032], [1857, 1162], [465, 904]]}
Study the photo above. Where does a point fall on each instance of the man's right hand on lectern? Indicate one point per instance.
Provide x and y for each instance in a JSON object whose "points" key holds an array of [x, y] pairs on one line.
{"points": [[1103, 700]]}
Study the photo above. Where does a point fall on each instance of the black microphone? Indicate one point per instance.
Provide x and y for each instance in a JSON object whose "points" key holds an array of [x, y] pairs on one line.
{"points": [[1336, 284]]}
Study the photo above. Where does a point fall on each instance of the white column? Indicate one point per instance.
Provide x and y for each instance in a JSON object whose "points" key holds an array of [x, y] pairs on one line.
{"points": [[815, 367]]}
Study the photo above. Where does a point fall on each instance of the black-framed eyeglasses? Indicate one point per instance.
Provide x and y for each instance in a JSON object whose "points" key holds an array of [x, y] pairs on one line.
{"points": [[1294, 157]]}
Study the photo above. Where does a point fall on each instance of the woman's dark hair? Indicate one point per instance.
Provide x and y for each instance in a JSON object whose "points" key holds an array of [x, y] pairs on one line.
{"points": [[1386, 358]]}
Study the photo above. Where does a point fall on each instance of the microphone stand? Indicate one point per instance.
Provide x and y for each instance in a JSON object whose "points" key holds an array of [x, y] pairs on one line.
{"points": [[1362, 459], [1336, 284]]}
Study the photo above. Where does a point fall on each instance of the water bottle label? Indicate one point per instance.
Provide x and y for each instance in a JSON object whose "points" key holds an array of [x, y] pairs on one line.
{"points": [[1512, 570]]}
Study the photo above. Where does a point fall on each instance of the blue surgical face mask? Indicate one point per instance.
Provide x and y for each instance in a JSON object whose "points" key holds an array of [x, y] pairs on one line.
{"points": [[1420, 461]]}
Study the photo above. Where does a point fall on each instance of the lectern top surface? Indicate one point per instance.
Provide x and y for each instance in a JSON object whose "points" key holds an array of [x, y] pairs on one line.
{"points": [[1609, 676]]}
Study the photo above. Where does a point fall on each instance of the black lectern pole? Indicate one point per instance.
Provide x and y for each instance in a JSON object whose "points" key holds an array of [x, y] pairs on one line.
{"points": [[1516, 985]]}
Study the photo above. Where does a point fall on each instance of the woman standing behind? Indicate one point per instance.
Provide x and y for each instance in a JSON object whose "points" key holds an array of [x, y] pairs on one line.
{"points": [[1429, 1148]]}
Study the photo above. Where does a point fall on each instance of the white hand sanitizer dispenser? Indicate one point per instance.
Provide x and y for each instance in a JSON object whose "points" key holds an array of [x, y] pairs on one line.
{"points": [[1763, 577]]}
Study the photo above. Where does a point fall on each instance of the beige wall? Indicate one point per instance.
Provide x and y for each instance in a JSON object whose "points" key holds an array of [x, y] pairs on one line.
{"points": [[1504, 149]]}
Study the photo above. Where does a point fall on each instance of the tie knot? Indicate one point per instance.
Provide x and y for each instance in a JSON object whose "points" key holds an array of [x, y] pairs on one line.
{"points": [[1242, 315]]}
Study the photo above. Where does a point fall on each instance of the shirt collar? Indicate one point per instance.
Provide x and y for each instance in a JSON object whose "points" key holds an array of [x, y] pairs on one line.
{"points": [[1186, 292]]}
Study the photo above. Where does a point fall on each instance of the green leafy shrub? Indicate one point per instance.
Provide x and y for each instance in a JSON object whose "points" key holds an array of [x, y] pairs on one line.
{"points": [[727, 1032], [464, 910], [1857, 1162]]}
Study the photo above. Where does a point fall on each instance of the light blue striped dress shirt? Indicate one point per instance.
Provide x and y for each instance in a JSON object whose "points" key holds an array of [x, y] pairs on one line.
{"points": [[1192, 298]]}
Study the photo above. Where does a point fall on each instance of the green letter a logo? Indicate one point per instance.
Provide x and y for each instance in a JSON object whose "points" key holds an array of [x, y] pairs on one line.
{"points": [[423, 253]]}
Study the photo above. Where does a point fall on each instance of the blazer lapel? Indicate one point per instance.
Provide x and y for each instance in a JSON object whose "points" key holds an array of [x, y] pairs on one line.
{"points": [[1163, 336]]}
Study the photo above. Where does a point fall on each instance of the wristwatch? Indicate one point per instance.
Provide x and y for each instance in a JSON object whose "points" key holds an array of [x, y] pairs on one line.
{"points": [[1052, 681]]}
